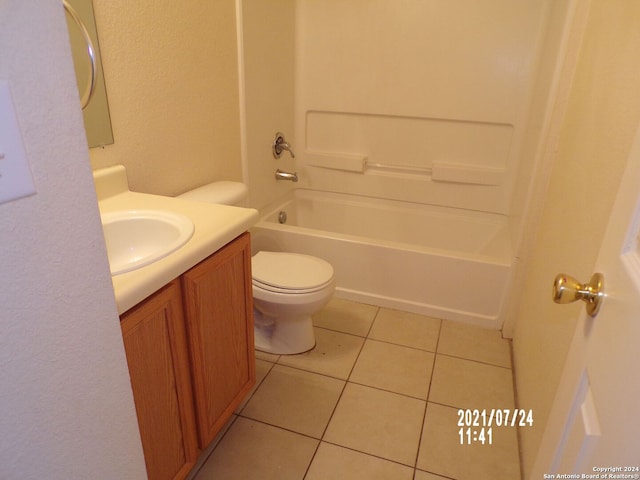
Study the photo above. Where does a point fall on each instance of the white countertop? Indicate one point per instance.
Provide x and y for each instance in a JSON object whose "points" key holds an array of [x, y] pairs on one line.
{"points": [[215, 226]]}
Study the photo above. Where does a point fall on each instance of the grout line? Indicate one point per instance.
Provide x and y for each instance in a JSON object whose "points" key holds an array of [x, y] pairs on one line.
{"points": [[388, 391], [402, 345], [331, 330], [235, 415], [315, 452], [373, 321], [439, 475], [337, 331], [455, 407], [300, 369], [280, 427], [516, 402], [203, 459], [426, 403], [474, 361], [246, 401], [335, 407], [368, 454], [346, 382]]}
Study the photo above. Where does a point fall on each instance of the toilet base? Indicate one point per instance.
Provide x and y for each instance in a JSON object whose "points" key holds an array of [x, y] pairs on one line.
{"points": [[287, 336]]}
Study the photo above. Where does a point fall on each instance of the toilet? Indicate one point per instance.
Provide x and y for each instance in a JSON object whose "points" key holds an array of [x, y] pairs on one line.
{"points": [[288, 288]]}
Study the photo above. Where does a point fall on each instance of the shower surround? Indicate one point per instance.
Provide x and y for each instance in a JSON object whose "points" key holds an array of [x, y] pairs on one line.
{"points": [[431, 104]]}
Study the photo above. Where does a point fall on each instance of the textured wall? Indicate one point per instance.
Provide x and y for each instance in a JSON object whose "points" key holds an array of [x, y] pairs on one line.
{"points": [[171, 75], [67, 408]]}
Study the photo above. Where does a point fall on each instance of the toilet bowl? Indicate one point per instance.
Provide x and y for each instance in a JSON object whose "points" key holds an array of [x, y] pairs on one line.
{"points": [[288, 288]]}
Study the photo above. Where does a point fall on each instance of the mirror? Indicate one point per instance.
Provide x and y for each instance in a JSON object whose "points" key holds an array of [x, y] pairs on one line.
{"points": [[88, 66]]}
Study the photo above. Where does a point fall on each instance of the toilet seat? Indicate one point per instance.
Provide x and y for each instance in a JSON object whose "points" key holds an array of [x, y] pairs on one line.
{"points": [[289, 291], [290, 273]]}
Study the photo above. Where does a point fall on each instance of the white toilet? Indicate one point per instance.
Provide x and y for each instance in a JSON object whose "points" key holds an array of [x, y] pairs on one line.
{"points": [[287, 287]]}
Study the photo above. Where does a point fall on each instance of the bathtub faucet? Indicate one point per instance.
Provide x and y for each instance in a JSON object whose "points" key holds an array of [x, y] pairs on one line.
{"points": [[279, 145], [280, 175]]}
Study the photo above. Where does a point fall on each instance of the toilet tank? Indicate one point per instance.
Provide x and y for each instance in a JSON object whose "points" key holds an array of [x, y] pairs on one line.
{"points": [[224, 193]]}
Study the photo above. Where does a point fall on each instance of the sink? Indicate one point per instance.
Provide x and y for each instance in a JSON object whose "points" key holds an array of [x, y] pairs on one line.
{"points": [[136, 238]]}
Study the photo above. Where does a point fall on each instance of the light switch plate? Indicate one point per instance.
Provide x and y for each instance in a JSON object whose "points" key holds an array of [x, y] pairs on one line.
{"points": [[15, 175]]}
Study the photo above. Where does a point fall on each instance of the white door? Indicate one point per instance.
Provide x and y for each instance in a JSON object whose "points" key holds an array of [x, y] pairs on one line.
{"points": [[595, 419]]}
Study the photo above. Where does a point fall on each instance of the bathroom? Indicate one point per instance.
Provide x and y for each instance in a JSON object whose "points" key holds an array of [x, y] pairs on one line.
{"points": [[407, 115], [174, 113]]}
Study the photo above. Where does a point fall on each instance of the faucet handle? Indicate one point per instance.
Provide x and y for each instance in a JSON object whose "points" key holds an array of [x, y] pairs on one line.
{"points": [[279, 145]]}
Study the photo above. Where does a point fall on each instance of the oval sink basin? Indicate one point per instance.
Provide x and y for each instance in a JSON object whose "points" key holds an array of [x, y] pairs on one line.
{"points": [[136, 238]]}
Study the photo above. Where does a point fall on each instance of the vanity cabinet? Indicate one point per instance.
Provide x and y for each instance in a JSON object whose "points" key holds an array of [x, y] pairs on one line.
{"points": [[219, 315], [191, 358], [156, 348]]}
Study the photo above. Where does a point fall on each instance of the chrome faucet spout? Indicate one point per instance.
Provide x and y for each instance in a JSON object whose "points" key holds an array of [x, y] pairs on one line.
{"points": [[280, 175]]}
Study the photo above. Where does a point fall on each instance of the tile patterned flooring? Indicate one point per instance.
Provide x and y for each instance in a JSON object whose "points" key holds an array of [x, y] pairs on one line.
{"points": [[376, 399]]}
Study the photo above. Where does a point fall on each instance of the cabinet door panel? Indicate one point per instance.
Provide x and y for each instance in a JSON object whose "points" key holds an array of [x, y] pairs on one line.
{"points": [[219, 310], [155, 343]]}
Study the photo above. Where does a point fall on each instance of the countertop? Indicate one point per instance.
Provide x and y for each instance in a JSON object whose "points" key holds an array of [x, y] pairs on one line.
{"points": [[215, 226]]}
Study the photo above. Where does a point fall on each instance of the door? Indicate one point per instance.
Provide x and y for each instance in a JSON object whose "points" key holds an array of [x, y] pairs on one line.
{"points": [[595, 418], [156, 348], [218, 302]]}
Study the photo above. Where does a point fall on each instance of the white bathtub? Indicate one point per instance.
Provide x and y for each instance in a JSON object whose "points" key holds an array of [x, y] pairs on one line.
{"points": [[447, 263]]}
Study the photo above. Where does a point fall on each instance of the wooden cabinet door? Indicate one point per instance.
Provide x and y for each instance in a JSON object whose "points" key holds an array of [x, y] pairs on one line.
{"points": [[219, 309], [155, 343]]}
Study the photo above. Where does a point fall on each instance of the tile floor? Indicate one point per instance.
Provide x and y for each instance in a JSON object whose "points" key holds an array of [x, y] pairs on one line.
{"points": [[376, 399]]}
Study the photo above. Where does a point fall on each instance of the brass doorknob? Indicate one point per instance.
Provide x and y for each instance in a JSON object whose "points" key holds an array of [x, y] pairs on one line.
{"points": [[567, 289]]}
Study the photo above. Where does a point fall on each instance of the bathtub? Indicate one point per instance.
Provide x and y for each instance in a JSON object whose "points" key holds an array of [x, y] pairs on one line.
{"points": [[446, 263]]}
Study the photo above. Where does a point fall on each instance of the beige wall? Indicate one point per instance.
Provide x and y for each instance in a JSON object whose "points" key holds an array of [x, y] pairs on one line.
{"points": [[601, 119], [171, 74], [67, 406], [268, 44], [551, 67]]}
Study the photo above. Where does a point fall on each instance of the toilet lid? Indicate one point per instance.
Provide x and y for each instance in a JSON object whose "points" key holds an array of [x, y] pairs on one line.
{"points": [[290, 271]]}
